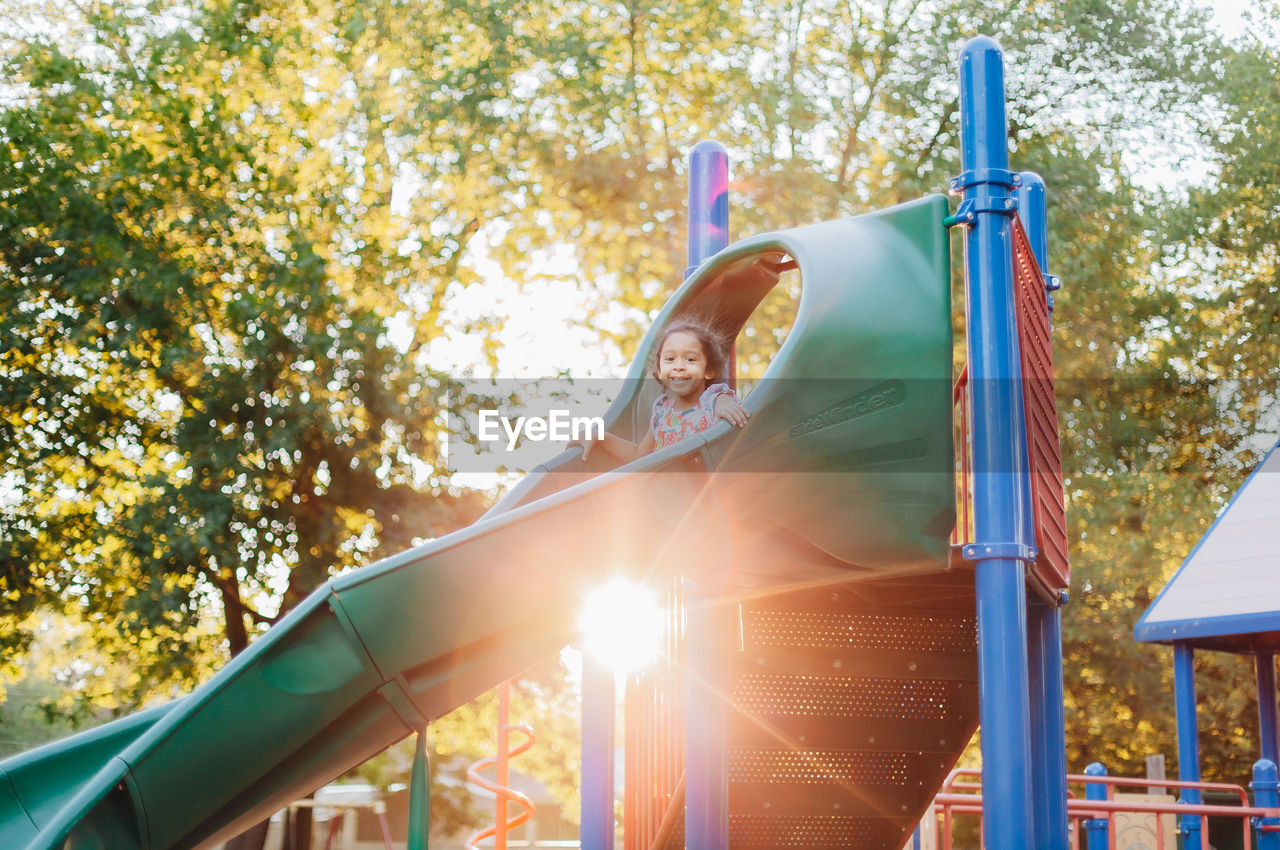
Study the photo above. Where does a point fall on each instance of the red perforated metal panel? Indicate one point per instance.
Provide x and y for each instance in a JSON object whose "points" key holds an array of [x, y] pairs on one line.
{"points": [[1051, 568], [807, 832]]}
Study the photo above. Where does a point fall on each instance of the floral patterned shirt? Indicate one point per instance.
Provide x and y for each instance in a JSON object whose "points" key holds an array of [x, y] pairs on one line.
{"points": [[670, 425]]}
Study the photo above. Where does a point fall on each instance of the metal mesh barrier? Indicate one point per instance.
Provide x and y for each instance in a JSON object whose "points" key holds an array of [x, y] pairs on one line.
{"points": [[856, 630], [821, 766], [836, 696], [820, 758], [800, 831]]}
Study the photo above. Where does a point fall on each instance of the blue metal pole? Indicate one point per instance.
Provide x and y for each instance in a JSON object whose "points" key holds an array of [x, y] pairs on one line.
{"points": [[1048, 727], [598, 709], [1044, 620], [1266, 795], [708, 202], [706, 797], [1002, 524], [1033, 211], [1096, 828], [1268, 731], [1184, 686]]}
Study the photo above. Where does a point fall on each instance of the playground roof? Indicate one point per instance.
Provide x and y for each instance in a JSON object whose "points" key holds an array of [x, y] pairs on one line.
{"points": [[1226, 594]]}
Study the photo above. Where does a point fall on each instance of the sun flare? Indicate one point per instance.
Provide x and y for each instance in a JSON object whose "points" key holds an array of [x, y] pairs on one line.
{"points": [[622, 626]]}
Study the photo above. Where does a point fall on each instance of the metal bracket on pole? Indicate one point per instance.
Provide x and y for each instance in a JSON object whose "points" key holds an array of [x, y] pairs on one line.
{"points": [[968, 211], [981, 176], [975, 552]]}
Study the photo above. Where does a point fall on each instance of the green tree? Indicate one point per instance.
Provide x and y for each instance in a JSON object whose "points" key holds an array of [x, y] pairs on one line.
{"points": [[208, 246], [1221, 323]]}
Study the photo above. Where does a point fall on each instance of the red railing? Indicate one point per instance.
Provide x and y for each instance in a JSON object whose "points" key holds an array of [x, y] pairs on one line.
{"points": [[961, 794], [963, 532]]}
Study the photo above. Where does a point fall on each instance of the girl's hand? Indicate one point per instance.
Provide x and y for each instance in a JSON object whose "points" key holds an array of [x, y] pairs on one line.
{"points": [[728, 409], [586, 444]]}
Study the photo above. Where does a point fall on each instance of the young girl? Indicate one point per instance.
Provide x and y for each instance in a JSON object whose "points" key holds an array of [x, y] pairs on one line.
{"points": [[690, 356]]}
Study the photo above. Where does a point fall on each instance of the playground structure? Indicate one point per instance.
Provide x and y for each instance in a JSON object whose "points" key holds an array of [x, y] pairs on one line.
{"points": [[1224, 598], [1096, 816], [835, 647]]}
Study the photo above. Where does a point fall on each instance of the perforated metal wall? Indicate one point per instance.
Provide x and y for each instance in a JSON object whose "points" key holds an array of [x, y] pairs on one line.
{"points": [[837, 696], [849, 704], [799, 831], [821, 766], [853, 630]]}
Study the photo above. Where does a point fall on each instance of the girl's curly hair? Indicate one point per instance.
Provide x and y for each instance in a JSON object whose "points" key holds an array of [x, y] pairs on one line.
{"points": [[714, 346]]}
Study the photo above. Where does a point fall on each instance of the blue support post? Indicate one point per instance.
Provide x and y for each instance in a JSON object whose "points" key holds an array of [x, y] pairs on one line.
{"points": [[1001, 502], [1266, 795], [1033, 211], [708, 202], [1184, 685], [1096, 828], [706, 641], [599, 706], [706, 797], [1044, 620], [1268, 731], [1048, 727]]}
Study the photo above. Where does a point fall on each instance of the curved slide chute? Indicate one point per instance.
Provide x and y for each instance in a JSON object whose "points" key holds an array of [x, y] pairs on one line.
{"points": [[844, 471]]}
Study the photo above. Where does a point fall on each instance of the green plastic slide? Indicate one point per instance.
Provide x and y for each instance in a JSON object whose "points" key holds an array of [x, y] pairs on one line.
{"points": [[844, 470]]}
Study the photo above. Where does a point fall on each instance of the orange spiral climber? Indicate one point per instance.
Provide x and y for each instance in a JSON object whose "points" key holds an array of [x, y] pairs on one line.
{"points": [[499, 785]]}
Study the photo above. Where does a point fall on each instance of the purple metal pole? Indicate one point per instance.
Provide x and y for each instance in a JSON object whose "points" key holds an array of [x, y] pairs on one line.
{"points": [[598, 709], [1268, 732], [1003, 528], [706, 642], [1184, 687], [708, 202], [706, 796]]}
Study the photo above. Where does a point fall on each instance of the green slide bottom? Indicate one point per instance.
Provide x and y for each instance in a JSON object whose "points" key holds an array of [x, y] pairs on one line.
{"points": [[844, 472]]}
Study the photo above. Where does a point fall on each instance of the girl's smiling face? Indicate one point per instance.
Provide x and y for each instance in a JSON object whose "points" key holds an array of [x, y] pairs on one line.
{"points": [[682, 367]]}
